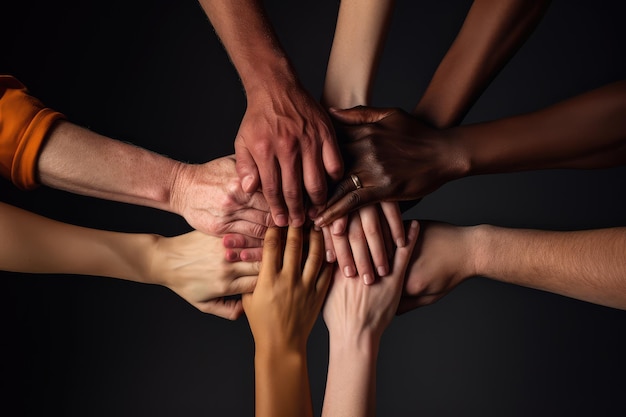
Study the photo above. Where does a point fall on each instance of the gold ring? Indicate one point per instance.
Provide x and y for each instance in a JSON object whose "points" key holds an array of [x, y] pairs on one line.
{"points": [[356, 181]]}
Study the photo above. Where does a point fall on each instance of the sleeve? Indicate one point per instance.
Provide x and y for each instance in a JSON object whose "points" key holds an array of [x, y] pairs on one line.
{"points": [[24, 125]]}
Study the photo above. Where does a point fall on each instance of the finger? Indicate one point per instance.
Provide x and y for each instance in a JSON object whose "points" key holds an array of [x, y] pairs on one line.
{"points": [[374, 236], [403, 254], [228, 309], [360, 250], [360, 114], [314, 259], [236, 240], [328, 245], [246, 167], [243, 268], [292, 262], [393, 215], [314, 178], [272, 253], [243, 285], [324, 278], [331, 156], [343, 252], [351, 201], [291, 169], [251, 255], [271, 186]]}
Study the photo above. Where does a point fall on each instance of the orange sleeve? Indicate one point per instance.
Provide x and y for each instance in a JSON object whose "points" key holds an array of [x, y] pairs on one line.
{"points": [[24, 124]]}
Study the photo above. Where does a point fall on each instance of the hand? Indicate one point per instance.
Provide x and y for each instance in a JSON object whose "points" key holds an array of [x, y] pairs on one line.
{"points": [[394, 155], [354, 310], [288, 297], [365, 242], [210, 198], [287, 139], [193, 266], [442, 259]]}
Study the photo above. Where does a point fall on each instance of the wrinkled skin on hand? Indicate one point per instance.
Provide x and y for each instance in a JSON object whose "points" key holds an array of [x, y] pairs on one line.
{"points": [[286, 142], [209, 196], [396, 157]]}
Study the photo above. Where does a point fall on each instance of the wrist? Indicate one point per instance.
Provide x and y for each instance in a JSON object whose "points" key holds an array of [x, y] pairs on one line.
{"points": [[271, 72], [364, 343], [480, 248], [458, 154], [180, 178]]}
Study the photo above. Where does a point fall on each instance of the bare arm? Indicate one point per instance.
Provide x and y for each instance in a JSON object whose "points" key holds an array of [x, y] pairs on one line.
{"points": [[587, 265], [282, 311], [191, 264], [491, 34], [208, 195], [284, 130], [406, 159], [356, 316]]}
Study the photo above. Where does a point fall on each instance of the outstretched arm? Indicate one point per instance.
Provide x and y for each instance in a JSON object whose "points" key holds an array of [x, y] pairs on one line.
{"points": [[282, 311], [356, 316], [397, 157], [587, 265], [192, 265], [492, 32], [284, 130]]}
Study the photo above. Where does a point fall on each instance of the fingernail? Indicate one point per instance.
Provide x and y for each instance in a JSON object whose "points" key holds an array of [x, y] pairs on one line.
{"points": [[400, 242], [246, 183], [281, 220], [348, 271], [330, 256], [229, 243], [382, 271], [368, 279]]}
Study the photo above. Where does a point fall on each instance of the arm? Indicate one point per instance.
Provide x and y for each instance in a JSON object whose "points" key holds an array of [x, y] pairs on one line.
{"points": [[401, 158], [358, 42], [282, 311], [191, 265], [586, 265], [208, 195], [284, 129], [491, 33], [356, 316]]}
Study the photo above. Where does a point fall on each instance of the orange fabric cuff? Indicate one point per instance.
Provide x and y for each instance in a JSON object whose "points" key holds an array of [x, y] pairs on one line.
{"points": [[24, 125]]}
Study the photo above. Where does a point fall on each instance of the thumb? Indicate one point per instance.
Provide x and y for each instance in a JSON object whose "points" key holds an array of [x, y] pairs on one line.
{"points": [[360, 114], [246, 167]]}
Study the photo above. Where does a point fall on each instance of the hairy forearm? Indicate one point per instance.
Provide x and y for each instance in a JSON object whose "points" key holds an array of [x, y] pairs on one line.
{"points": [[587, 131], [83, 162], [34, 244], [492, 32], [250, 41], [351, 380], [588, 265], [281, 383], [357, 46]]}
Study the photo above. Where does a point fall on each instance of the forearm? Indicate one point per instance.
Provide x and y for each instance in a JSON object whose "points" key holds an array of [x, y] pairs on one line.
{"points": [[587, 265], [281, 383], [357, 46], [492, 32], [351, 380], [83, 162], [250, 42], [34, 244], [587, 131]]}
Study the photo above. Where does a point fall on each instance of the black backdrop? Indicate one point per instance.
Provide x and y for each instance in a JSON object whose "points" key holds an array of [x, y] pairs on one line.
{"points": [[153, 73]]}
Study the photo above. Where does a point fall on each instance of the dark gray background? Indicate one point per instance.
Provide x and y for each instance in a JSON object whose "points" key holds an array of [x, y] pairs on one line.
{"points": [[153, 73]]}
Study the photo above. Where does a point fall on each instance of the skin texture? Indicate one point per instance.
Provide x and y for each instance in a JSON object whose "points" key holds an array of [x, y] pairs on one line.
{"points": [[209, 196], [192, 265], [586, 131], [282, 311], [586, 265], [286, 142], [356, 316]]}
